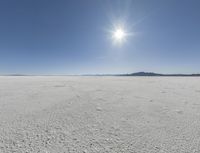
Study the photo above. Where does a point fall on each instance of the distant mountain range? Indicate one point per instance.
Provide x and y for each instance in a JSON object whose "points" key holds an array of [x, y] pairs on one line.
{"points": [[156, 74]]}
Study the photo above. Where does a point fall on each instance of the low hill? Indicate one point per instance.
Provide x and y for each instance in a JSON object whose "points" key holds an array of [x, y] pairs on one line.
{"points": [[156, 74]]}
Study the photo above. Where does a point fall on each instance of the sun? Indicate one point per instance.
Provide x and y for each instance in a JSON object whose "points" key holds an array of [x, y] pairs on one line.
{"points": [[119, 35]]}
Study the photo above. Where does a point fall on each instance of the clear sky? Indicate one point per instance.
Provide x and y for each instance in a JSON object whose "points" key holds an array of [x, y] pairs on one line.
{"points": [[75, 36]]}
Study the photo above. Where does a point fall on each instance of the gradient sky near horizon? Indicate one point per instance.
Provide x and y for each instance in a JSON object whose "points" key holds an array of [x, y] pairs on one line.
{"points": [[72, 36]]}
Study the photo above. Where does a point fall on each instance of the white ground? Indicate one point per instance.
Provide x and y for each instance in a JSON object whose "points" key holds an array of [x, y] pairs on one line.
{"points": [[99, 115]]}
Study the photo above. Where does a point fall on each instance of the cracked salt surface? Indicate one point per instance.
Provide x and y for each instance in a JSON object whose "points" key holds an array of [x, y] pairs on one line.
{"points": [[99, 114]]}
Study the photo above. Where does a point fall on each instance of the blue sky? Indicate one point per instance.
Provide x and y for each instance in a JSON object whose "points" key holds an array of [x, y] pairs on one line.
{"points": [[73, 36]]}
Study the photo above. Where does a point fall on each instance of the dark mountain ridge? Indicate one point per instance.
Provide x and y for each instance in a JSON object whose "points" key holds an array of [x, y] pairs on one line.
{"points": [[156, 74]]}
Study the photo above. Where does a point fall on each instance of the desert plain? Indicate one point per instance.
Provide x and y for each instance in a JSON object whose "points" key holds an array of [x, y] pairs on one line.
{"points": [[99, 114]]}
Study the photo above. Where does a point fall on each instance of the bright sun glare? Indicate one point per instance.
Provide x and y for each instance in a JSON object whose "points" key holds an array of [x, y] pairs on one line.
{"points": [[119, 35]]}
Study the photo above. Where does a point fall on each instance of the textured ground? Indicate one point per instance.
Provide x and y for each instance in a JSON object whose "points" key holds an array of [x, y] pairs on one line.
{"points": [[99, 115]]}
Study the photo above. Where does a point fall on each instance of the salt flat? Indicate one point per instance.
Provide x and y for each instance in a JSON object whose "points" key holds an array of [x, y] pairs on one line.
{"points": [[65, 114]]}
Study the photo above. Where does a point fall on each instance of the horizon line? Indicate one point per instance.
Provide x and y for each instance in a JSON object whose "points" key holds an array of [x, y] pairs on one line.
{"points": [[141, 73]]}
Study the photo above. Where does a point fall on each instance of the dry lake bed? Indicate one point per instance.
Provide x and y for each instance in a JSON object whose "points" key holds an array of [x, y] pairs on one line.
{"points": [[80, 114]]}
